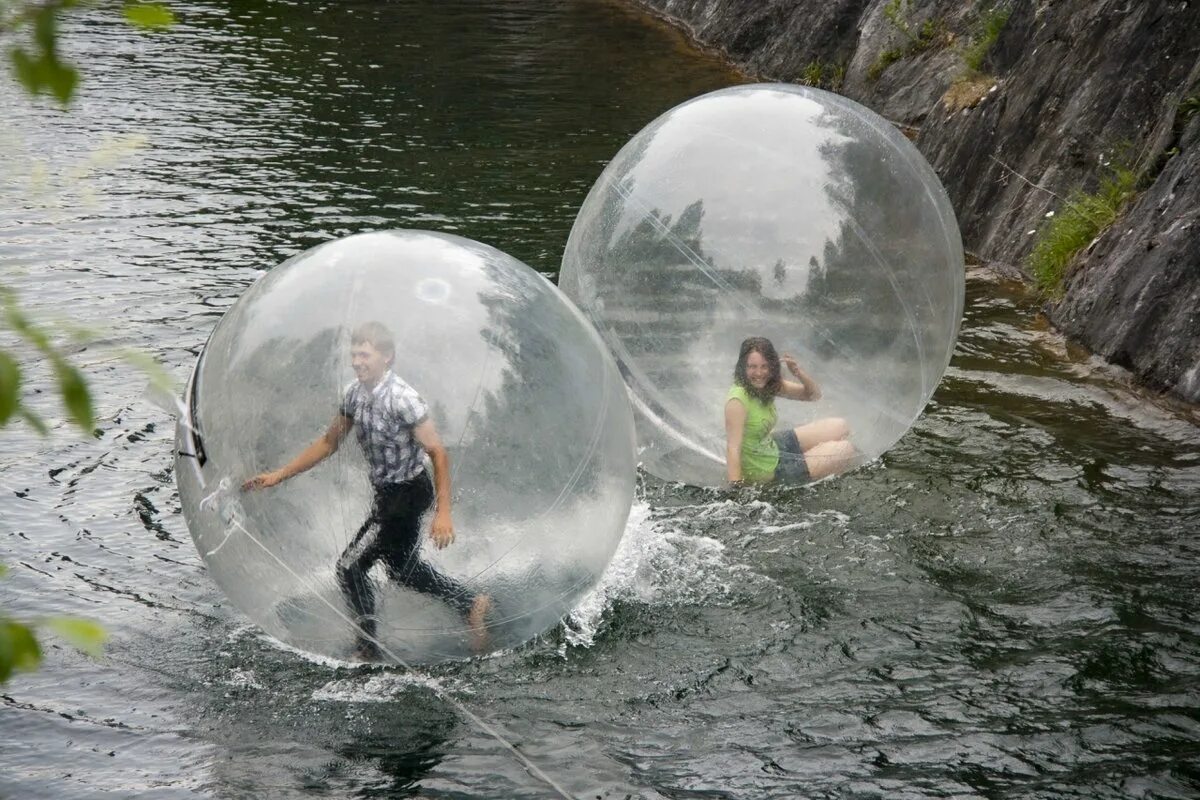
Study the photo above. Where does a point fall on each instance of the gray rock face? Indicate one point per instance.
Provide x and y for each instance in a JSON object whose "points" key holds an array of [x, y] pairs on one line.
{"points": [[1075, 85], [1135, 295]]}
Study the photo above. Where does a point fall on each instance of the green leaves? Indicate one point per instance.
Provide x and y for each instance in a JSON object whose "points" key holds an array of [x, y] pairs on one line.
{"points": [[19, 650], [987, 30], [10, 382], [71, 384], [1189, 108], [34, 421], [43, 73], [40, 71], [75, 394], [158, 377], [19, 647], [149, 16], [38, 68], [82, 634], [1082, 218]]}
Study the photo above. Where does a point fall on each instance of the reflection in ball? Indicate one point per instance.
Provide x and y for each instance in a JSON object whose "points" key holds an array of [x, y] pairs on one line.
{"points": [[770, 211], [317, 414]]}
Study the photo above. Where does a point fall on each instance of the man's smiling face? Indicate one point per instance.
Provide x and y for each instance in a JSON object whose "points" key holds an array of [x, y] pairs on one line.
{"points": [[368, 363]]}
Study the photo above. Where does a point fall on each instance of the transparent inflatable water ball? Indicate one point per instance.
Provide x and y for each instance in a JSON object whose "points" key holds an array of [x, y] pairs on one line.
{"points": [[772, 211], [310, 460]]}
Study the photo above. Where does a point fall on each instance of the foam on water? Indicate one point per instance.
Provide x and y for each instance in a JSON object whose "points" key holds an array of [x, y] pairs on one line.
{"points": [[660, 564], [382, 687]]}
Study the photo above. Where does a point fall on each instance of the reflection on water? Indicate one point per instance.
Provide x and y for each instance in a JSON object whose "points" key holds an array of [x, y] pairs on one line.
{"points": [[1004, 606]]}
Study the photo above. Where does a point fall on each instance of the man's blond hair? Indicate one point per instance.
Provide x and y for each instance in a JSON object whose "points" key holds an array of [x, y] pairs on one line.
{"points": [[375, 334]]}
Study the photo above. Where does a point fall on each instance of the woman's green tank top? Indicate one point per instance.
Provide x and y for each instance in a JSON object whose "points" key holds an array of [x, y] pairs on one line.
{"points": [[760, 454]]}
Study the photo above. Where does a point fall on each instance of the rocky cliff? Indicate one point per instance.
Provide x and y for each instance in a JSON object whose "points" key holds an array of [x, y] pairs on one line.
{"points": [[1020, 106]]}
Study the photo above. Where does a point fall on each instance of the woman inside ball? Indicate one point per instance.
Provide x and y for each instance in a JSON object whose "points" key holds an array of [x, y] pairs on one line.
{"points": [[754, 453]]}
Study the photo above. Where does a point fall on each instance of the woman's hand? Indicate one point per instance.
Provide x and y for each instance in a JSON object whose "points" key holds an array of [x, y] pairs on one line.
{"points": [[792, 365], [807, 389]]}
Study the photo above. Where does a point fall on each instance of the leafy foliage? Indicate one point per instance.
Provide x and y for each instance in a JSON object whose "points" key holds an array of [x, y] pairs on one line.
{"points": [[885, 60], [71, 383], [931, 33], [19, 649], [973, 85], [150, 16], [987, 31], [1084, 216], [894, 11], [81, 633], [1189, 108], [38, 65], [10, 380], [822, 74]]}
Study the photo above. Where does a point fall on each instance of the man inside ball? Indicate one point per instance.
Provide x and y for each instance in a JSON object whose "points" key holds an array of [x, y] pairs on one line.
{"points": [[392, 424]]}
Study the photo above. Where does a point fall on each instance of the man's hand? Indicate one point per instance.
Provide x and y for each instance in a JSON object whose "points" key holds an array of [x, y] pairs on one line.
{"points": [[442, 530], [264, 481]]}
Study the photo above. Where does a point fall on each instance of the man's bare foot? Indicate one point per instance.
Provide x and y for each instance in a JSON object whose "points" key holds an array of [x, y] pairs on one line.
{"points": [[477, 620], [365, 650]]}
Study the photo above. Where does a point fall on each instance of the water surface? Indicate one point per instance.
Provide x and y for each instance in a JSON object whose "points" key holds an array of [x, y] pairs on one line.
{"points": [[1005, 606]]}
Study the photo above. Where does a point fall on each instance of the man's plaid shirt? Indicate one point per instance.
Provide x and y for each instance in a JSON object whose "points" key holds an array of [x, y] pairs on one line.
{"points": [[384, 418]]}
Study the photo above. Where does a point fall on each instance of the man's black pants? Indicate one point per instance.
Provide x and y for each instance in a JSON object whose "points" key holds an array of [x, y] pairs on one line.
{"points": [[392, 534]]}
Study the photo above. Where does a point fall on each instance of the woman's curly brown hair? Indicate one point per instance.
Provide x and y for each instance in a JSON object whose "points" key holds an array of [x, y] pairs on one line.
{"points": [[762, 346]]}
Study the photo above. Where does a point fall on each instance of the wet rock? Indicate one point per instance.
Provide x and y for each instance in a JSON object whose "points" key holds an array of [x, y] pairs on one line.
{"points": [[1067, 88], [1134, 297]]}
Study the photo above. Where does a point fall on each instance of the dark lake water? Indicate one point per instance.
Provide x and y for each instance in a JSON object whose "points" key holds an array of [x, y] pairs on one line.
{"points": [[1005, 606]]}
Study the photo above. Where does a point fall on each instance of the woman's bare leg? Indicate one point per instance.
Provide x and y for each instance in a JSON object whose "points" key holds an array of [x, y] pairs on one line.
{"points": [[830, 429], [829, 458]]}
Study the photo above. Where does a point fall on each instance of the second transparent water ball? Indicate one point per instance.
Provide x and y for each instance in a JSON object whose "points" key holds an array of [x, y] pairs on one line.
{"points": [[771, 211]]}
